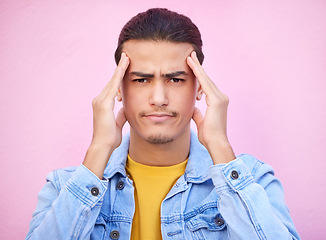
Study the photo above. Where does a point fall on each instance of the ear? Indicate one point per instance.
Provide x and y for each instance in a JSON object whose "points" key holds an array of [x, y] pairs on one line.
{"points": [[119, 96], [199, 92]]}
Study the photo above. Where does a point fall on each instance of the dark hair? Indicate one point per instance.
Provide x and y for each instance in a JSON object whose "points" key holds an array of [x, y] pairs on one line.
{"points": [[161, 24]]}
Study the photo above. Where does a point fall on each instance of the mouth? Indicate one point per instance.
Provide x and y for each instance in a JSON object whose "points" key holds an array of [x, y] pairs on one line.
{"points": [[160, 117]]}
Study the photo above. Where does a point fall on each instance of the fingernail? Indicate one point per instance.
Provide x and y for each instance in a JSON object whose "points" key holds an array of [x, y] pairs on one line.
{"points": [[124, 54]]}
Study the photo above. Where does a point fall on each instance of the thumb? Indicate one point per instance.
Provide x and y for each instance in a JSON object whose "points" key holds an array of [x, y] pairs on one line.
{"points": [[197, 117], [121, 119]]}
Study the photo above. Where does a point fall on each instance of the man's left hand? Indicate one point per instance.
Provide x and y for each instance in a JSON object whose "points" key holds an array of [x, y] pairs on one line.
{"points": [[212, 128]]}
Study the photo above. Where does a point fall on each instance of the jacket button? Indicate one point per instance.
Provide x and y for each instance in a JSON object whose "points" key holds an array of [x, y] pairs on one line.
{"points": [[95, 191], [120, 185], [234, 174], [115, 234], [219, 221]]}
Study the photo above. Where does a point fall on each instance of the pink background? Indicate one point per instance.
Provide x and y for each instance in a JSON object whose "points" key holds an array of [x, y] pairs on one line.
{"points": [[267, 56]]}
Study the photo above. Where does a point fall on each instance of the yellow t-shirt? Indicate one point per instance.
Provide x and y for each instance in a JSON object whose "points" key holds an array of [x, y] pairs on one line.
{"points": [[151, 184]]}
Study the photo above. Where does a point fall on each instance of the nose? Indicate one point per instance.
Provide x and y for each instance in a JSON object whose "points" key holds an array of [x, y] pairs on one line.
{"points": [[158, 96]]}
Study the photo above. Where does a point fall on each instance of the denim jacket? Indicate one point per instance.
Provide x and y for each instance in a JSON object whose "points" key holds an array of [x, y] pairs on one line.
{"points": [[239, 200]]}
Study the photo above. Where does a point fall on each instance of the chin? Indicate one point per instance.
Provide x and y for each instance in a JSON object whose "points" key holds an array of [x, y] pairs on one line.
{"points": [[158, 134], [159, 139]]}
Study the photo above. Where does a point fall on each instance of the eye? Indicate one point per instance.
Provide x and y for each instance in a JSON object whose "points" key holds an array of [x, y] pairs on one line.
{"points": [[140, 80], [176, 80]]}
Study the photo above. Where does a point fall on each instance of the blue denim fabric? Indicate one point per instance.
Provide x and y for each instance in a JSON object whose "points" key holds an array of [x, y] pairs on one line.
{"points": [[207, 202]]}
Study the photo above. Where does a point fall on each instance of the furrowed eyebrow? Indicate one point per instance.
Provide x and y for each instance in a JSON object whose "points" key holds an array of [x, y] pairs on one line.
{"points": [[165, 75], [174, 74], [144, 75]]}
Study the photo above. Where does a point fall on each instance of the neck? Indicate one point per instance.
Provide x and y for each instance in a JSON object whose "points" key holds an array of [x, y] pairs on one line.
{"points": [[167, 154]]}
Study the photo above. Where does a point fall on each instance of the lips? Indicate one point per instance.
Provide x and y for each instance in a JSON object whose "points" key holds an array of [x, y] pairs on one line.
{"points": [[159, 117]]}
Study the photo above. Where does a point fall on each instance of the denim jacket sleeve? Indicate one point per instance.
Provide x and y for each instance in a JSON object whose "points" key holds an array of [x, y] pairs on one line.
{"points": [[252, 201], [69, 207]]}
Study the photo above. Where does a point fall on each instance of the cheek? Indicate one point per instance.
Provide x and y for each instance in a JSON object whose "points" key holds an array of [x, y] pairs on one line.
{"points": [[185, 100], [132, 101], [124, 89]]}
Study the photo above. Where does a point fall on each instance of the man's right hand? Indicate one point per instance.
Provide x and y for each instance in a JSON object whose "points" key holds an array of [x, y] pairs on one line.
{"points": [[107, 130]]}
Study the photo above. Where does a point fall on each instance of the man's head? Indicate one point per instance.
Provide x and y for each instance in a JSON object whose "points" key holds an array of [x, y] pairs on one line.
{"points": [[159, 89], [160, 24]]}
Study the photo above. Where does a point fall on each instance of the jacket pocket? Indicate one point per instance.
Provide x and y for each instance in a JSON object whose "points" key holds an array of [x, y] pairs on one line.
{"points": [[207, 224], [99, 230]]}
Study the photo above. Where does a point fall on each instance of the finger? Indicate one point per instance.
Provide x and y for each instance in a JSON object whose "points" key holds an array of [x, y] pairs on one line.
{"points": [[121, 118], [197, 64], [117, 77], [208, 86], [122, 67], [194, 57], [197, 117], [198, 70]]}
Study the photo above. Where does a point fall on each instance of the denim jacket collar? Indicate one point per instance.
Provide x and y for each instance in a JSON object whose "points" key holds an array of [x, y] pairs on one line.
{"points": [[196, 171]]}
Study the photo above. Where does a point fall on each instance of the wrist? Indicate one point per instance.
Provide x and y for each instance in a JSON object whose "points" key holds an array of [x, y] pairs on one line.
{"points": [[102, 149], [221, 151], [97, 157]]}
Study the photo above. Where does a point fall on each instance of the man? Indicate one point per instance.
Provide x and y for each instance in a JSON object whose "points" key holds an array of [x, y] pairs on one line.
{"points": [[161, 181]]}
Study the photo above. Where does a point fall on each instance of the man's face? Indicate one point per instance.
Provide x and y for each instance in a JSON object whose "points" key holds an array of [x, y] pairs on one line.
{"points": [[159, 89]]}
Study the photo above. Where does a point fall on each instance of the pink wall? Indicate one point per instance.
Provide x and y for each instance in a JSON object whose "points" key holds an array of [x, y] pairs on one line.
{"points": [[269, 57]]}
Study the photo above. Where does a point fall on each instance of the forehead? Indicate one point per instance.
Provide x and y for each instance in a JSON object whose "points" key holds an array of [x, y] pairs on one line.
{"points": [[154, 56]]}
